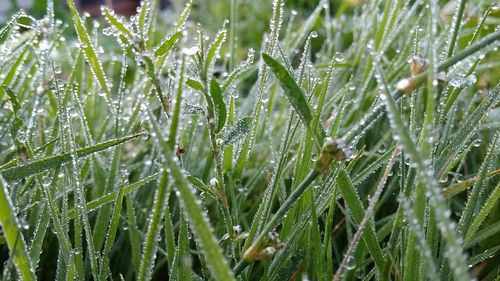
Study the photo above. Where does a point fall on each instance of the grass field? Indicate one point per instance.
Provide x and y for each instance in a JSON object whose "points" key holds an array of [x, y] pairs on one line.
{"points": [[251, 140]]}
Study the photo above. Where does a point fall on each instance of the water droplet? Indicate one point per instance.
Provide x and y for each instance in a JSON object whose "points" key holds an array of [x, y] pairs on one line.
{"points": [[314, 34], [190, 51], [339, 57], [46, 181], [314, 157], [73, 112], [214, 182], [477, 143], [40, 90], [22, 137], [351, 263]]}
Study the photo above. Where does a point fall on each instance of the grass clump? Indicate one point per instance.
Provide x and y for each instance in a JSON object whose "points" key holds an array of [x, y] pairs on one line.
{"points": [[339, 141]]}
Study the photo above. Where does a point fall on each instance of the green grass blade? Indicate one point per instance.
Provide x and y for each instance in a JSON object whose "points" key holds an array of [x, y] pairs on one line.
{"points": [[167, 45], [194, 84], [200, 226], [110, 197], [488, 254], [464, 185], [10, 23], [183, 250], [117, 22], [237, 131], [198, 220], [39, 236], [89, 50], [102, 219], [51, 162], [483, 234], [402, 133], [172, 138], [111, 234], [216, 94], [483, 213], [355, 206], [295, 95], [465, 132], [183, 17], [455, 27], [213, 52], [474, 199], [13, 235], [143, 17], [133, 234], [14, 71], [154, 227]]}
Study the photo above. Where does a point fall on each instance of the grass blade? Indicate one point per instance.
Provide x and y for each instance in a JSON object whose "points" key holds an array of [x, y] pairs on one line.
{"points": [[474, 199], [216, 93], [213, 51], [237, 131], [117, 22], [13, 235], [355, 206], [154, 227], [51, 162], [295, 95], [466, 132], [88, 49], [111, 234], [197, 218], [483, 213], [167, 45]]}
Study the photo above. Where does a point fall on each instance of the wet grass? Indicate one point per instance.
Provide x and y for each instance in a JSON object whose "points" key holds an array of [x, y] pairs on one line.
{"points": [[335, 141]]}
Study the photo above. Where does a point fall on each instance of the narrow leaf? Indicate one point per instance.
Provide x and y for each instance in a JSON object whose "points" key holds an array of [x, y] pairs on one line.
{"points": [[237, 131], [216, 93], [294, 94], [214, 50], [88, 48], [13, 235], [116, 22], [354, 203], [166, 45], [44, 164], [194, 84]]}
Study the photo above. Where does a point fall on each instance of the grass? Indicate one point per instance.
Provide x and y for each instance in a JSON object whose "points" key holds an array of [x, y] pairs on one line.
{"points": [[342, 140]]}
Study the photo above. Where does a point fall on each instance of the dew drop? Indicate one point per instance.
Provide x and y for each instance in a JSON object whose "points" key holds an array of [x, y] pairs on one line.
{"points": [[40, 89], [339, 57], [22, 137], [214, 182], [73, 112], [314, 157], [351, 263], [46, 181]]}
